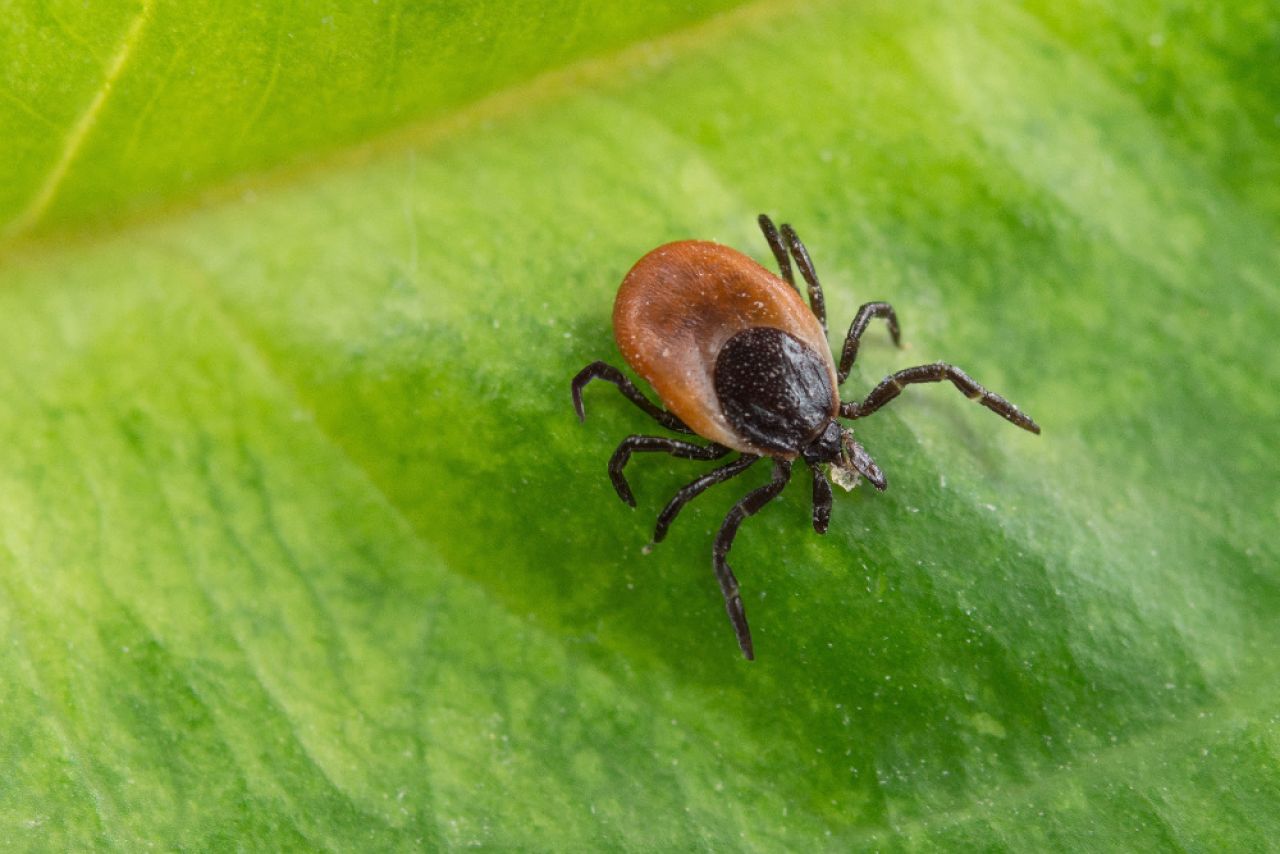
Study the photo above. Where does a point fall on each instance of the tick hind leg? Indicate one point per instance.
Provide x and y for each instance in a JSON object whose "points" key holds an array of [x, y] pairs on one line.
{"points": [[748, 506], [610, 374], [817, 301], [892, 385], [674, 447], [699, 486], [789, 240], [775, 244]]}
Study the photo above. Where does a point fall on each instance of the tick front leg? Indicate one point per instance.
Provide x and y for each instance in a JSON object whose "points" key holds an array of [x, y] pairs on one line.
{"points": [[821, 500], [865, 315], [674, 447], [892, 385], [748, 506], [610, 374]]}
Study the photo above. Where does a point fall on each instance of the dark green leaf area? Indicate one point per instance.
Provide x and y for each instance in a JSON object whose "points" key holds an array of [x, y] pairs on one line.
{"points": [[132, 104]]}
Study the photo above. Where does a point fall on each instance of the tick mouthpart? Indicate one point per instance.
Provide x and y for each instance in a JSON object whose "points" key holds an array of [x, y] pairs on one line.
{"points": [[854, 456]]}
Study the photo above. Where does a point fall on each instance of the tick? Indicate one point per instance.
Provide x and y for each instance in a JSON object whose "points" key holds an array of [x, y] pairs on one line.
{"points": [[738, 359]]}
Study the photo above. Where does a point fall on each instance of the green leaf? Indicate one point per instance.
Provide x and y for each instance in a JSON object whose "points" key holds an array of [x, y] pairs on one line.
{"points": [[301, 545], [139, 102]]}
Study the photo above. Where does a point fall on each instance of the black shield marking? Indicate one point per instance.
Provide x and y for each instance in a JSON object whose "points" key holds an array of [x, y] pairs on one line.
{"points": [[774, 389]]}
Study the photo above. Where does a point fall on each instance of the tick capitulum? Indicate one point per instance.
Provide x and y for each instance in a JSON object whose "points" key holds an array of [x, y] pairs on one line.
{"points": [[738, 359]]}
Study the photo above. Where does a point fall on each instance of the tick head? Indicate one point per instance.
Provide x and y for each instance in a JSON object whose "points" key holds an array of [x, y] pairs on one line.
{"points": [[826, 447], [849, 461]]}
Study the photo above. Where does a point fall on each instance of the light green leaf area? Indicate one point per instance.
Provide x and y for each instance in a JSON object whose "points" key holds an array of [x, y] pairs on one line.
{"points": [[301, 545]]}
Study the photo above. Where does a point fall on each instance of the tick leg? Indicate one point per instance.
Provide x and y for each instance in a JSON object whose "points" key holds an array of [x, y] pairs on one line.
{"points": [[748, 506], [779, 251], [674, 447], [892, 385], [816, 301], [821, 500], [610, 374], [693, 490], [865, 315]]}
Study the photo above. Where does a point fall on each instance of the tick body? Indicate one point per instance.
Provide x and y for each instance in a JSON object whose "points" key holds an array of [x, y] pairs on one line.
{"points": [[731, 349], [738, 358]]}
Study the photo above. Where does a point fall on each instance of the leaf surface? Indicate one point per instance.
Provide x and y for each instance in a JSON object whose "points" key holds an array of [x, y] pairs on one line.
{"points": [[302, 546]]}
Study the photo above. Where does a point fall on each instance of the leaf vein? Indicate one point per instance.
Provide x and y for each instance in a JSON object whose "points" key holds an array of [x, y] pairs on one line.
{"points": [[79, 133]]}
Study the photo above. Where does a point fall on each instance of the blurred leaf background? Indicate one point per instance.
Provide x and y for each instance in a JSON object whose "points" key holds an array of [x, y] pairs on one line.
{"points": [[301, 545]]}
